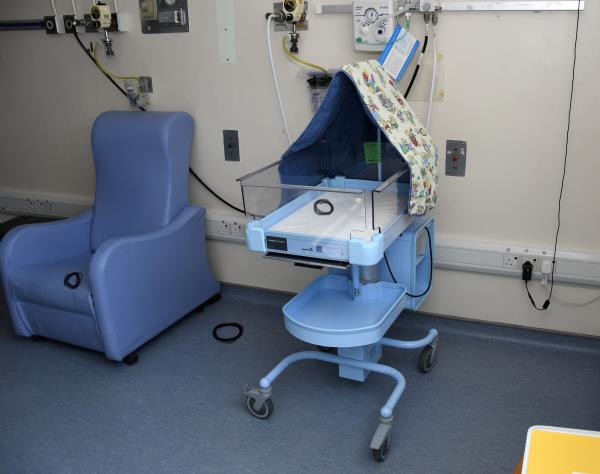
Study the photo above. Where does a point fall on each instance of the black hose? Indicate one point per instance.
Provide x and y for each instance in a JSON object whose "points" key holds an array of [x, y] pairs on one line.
{"points": [[416, 71], [120, 89]]}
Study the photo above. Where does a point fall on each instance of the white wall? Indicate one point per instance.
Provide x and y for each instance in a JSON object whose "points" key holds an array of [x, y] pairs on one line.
{"points": [[506, 82]]}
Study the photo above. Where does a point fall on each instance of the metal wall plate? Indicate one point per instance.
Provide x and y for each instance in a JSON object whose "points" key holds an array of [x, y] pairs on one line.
{"points": [[231, 145], [456, 157], [226, 31], [164, 16], [301, 26]]}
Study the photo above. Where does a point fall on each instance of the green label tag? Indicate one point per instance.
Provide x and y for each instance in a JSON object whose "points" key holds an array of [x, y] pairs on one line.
{"points": [[372, 152]]}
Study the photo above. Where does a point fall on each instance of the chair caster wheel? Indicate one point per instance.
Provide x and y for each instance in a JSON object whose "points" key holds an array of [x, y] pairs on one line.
{"points": [[36, 338], [130, 359], [381, 453], [265, 410], [427, 358], [213, 299]]}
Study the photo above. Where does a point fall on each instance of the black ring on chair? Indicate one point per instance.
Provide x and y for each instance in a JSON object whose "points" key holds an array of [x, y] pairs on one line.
{"points": [[78, 277], [320, 212], [238, 326]]}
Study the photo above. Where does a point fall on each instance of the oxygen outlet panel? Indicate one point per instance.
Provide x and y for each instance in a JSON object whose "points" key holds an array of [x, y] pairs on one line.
{"points": [[374, 23]]}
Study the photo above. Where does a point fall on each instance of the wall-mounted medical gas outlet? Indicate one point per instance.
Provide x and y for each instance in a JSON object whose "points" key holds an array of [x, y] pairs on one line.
{"points": [[292, 11], [231, 145], [70, 24], [138, 90], [456, 157], [101, 15], [117, 23], [374, 23], [164, 16], [55, 25]]}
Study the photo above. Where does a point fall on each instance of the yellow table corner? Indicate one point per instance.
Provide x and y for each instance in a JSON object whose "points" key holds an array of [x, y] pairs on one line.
{"points": [[553, 450]]}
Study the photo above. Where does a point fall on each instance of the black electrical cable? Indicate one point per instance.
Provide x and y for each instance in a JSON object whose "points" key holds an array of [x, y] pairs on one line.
{"points": [[562, 183], [543, 308], [192, 172], [89, 55], [214, 193], [416, 71], [546, 304], [430, 267]]}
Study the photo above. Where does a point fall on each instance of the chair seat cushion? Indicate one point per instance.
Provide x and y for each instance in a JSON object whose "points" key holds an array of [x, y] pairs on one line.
{"points": [[44, 284]]}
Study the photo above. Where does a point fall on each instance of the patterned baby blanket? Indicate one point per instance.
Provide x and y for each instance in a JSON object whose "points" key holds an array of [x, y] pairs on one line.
{"points": [[402, 128]]}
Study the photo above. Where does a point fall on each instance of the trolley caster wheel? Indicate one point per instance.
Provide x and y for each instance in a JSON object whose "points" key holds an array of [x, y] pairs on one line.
{"points": [[381, 453], [325, 348], [265, 410], [427, 358], [130, 359]]}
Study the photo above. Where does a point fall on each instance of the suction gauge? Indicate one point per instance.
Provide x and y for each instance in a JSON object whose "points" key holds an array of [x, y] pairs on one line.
{"points": [[371, 15]]}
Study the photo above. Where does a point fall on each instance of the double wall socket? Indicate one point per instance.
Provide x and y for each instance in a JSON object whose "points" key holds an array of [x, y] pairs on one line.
{"points": [[231, 229], [39, 205], [516, 259]]}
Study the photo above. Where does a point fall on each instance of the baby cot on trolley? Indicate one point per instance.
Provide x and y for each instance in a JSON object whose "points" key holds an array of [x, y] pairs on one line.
{"points": [[349, 196]]}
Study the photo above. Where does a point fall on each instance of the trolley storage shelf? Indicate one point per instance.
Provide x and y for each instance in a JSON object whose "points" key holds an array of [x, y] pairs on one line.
{"points": [[327, 313]]}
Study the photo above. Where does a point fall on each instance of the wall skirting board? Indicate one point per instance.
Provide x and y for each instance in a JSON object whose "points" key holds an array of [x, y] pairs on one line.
{"points": [[19, 202], [579, 268]]}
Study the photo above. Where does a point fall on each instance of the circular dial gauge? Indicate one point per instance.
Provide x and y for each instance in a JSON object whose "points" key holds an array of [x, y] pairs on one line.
{"points": [[371, 15]]}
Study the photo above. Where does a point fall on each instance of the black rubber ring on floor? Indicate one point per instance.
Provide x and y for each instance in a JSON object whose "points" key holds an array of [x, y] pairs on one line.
{"points": [[238, 326]]}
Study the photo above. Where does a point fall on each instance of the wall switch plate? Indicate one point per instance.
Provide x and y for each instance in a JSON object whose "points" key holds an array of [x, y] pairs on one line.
{"points": [[231, 145], [456, 157]]}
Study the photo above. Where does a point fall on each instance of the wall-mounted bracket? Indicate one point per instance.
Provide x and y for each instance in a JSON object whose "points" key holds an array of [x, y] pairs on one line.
{"points": [[478, 6]]}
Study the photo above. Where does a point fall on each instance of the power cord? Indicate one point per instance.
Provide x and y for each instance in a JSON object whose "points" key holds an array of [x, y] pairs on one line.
{"points": [[527, 273], [430, 268], [527, 266], [562, 183], [122, 91]]}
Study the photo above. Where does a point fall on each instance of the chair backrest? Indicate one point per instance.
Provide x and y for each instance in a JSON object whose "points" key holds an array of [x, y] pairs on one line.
{"points": [[142, 161]]}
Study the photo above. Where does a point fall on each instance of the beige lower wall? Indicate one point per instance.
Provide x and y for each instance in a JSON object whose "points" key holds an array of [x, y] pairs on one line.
{"points": [[455, 293]]}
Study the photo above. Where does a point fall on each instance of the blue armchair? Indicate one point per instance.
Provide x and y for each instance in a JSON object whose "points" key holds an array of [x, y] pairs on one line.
{"points": [[137, 259]]}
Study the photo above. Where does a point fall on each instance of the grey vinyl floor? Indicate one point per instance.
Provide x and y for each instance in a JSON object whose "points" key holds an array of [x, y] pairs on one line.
{"points": [[179, 410]]}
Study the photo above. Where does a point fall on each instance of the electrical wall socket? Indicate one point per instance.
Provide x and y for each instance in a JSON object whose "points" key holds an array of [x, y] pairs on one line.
{"points": [[224, 228], [237, 229], [516, 261], [39, 205], [512, 261], [233, 229]]}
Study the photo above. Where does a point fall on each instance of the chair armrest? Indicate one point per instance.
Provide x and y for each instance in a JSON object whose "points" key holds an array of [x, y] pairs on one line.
{"points": [[142, 284], [45, 243]]}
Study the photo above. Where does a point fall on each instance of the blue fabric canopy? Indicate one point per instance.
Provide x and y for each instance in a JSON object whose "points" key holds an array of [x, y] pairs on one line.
{"points": [[332, 143]]}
